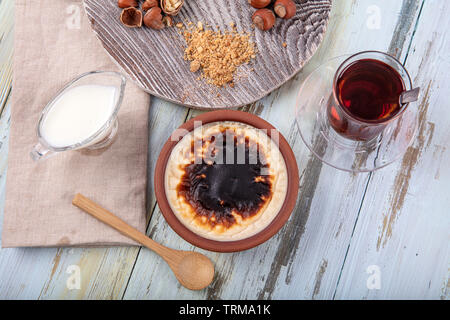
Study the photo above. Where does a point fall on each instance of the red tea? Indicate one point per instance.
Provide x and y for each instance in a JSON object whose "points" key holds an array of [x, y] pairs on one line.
{"points": [[370, 90]]}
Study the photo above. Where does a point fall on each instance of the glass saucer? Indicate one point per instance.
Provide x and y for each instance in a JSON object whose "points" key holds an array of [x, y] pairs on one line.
{"points": [[335, 150]]}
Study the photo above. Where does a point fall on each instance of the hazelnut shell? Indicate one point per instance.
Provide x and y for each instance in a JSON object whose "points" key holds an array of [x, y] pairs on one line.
{"points": [[163, 6], [168, 21], [131, 17]]}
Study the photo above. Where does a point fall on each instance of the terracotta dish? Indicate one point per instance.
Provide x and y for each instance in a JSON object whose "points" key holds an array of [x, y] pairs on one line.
{"points": [[271, 227]]}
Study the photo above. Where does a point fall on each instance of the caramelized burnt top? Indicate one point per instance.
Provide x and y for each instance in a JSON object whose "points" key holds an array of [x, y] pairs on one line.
{"points": [[227, 178]]}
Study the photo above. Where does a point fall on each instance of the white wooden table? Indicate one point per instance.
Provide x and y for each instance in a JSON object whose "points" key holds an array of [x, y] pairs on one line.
{"points": [[380, 235]]}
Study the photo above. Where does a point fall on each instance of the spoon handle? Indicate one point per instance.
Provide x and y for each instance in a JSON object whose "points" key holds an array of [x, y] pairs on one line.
{"points": [[113, 221], [410, 96]]}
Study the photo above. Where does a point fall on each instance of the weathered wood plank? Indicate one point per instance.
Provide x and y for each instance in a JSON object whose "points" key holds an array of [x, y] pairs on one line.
{"points": [[404, 223], [304, 260]]}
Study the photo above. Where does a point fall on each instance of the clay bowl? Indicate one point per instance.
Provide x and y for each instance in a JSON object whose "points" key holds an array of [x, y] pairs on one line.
{"points": [[236, 245]]}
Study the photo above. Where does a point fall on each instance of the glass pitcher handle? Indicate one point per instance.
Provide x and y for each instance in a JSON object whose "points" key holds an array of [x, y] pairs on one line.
{"points": [[40, 152]]}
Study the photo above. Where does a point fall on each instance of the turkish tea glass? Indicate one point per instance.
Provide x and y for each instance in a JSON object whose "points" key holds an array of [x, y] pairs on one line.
{"points": [[369, 70], [337, 135]]}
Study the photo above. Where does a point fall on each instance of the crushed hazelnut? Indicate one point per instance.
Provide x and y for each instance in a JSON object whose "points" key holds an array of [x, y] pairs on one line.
{"points": [[217, 53], [171, 7], [195, 66]]}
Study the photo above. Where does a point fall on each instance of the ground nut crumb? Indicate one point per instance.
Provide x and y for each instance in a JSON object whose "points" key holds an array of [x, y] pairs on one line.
{"points": [[195, 66], [217, 53]]}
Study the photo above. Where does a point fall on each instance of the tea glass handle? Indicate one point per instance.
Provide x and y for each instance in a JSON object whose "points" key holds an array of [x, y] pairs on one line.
{"points": [[40, 152]]}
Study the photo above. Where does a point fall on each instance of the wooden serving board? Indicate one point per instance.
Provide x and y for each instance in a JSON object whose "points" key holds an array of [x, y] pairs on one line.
{"points": [[154, 58]]}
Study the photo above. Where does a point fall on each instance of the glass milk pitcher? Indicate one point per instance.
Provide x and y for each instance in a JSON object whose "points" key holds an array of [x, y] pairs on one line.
{"points": [[83, 115]]}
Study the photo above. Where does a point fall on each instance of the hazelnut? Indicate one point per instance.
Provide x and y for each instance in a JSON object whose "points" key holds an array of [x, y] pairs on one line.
{"points": [[259, 4], [148, 4], [285, 8], [264, 19], [171, 7], [153, 18], [131, 17], [127, 3]]}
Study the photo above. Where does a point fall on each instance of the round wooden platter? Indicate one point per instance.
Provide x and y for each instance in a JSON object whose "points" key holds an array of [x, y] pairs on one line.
{"points": [[154, 58]]}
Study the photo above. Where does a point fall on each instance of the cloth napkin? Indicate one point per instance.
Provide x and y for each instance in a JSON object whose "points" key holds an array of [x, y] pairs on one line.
{"points": [[54, 44]]}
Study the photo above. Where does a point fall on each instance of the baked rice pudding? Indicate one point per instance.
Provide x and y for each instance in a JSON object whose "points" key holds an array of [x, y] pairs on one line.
{"points": [[226, 180]]}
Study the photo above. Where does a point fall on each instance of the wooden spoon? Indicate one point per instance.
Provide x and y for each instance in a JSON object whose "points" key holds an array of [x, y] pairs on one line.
{"points": [[194, 270]]}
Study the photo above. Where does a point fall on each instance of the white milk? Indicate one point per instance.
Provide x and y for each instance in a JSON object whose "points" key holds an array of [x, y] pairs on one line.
{"points": [[78, 114]]}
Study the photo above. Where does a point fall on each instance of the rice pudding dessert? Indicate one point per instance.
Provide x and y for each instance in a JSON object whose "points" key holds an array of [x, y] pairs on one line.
{"points": [[226, 180]]}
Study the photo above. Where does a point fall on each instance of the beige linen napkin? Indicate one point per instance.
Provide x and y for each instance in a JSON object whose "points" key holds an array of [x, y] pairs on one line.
{"points": [[53, 44]]}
